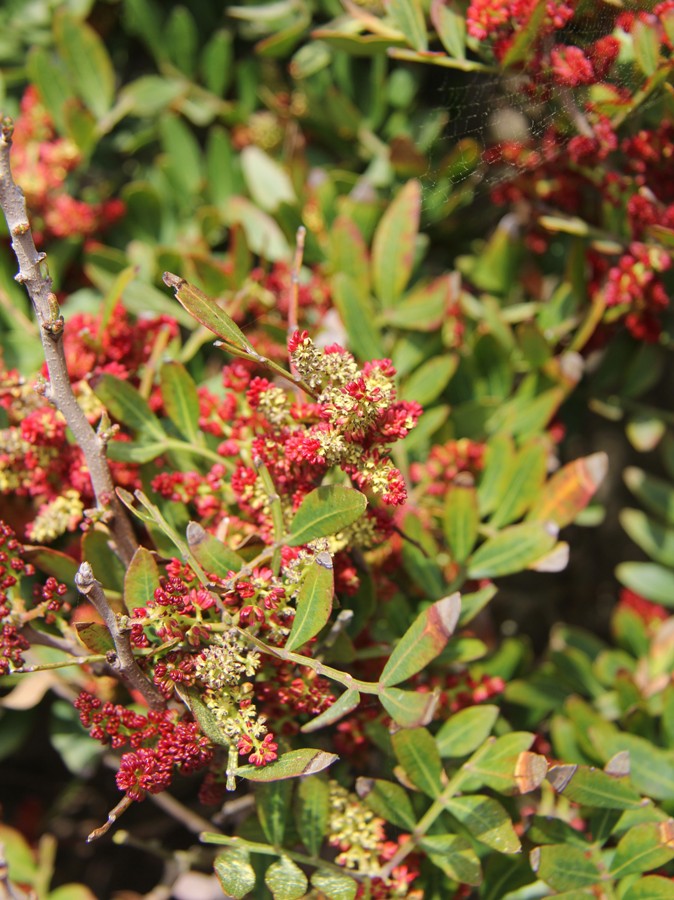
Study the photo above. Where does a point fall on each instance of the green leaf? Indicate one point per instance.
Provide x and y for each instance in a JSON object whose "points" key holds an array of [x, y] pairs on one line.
{"points": [[425, 307], [141, 580], [348, 255], [290, 765], [208, 313], [348, 701], [394, 244], [460, 520], [312, 812], [181, 401], [268, 183], [325, 511], [234, 872], [416, 751], [108, 568], [651, 769], [125, 404], [525, 484], [356, 314], [272, 803], [495, 763], [182, 156], [475, 602], [423, 641], [592, 787], [486, 820], [314, 601], [466, 730], [150, 95], [286, 880], [652, 581], [656, 494], [204, 716], [654, 539], [87, 61], [23, 868], [454, 856], [263, 234], [388, 800], [564, 868], [216, 62], [71, 891], [95, 637], [408, 16], [644, 847], [651, 887], [451, 28], [53, 562], [181, 37], [511, 550], [334, 885], [48, 75], [569, 490], [499, 463], [428, 382], [408, 709], [646, 47], [211, 554]]}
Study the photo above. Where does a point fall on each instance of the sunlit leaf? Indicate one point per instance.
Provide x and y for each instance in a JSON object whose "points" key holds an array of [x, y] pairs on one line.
{"points": [[466, 730], [141, 579], [423, 641], [207, 312], [290, 765], [409, 708], [511, 550], [417, 753], [486, 820], [314, 601], [234, 872], [325, 511], [388, 800], [286, 880]]}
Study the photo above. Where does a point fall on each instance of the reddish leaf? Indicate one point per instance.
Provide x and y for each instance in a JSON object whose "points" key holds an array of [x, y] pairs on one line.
{"points": [[570, 490]]}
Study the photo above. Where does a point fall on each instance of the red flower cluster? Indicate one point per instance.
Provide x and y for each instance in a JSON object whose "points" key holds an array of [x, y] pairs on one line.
{"points": [[285, 696], [445, 462], [464, 690], [41, 162], [650, 613], [499, 20], [161, 745], [12, 565]]}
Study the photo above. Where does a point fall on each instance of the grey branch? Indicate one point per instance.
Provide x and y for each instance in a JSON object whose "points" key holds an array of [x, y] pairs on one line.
{"points": [[33, 273], [123, 662]]}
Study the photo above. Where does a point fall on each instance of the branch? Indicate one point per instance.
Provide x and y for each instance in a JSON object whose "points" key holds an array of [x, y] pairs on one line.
{"points": [[123, 662], [34, 274]]}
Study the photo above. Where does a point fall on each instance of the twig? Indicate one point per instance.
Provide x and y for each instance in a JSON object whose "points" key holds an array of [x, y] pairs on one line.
{"points": [[295, 281], [33, 273], [122, 660], [186, 817]]}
